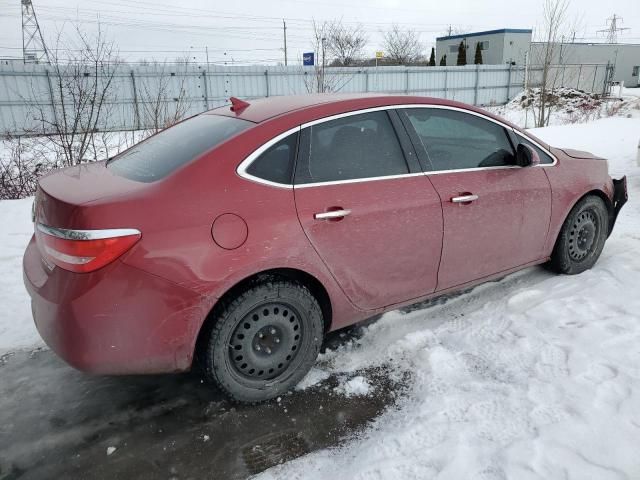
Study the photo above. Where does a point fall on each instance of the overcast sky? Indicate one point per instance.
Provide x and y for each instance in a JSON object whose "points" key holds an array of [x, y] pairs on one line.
{"points": [[251, 31]]}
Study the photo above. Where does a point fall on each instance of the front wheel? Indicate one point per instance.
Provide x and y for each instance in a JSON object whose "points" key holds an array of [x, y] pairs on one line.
{"points": [[582, 237], [264, 341]]}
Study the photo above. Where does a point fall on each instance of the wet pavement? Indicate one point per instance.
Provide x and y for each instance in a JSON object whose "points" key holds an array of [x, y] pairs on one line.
{"points": [[56, 423]]}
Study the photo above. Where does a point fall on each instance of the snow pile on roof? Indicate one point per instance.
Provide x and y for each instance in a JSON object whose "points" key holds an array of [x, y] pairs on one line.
{"points": [[535, 376]]}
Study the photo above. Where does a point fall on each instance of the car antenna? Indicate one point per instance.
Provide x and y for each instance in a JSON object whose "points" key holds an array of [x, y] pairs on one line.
{"points": [[238, 105]]}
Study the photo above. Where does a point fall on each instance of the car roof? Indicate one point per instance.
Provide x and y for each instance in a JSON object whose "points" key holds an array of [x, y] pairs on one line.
{"points": [[312, 106], [262, 109]]}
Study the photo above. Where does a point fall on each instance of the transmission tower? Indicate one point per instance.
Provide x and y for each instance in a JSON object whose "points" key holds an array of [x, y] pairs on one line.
{"points": [[612, 31], [33, 48]]}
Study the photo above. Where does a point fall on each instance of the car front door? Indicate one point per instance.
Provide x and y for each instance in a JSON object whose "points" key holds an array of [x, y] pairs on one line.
{"points": [[367, 209], [496, 214]]}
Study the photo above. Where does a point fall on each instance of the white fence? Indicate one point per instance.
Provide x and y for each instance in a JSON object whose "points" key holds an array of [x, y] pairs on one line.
{"points": [[30, 99]]}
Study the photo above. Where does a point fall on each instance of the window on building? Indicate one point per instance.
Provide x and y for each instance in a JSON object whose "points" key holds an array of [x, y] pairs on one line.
{"points": [[453, 48]]}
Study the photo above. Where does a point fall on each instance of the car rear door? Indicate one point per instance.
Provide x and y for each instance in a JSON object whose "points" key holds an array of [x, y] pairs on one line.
{"points": [[367, 209], [496, 214]]}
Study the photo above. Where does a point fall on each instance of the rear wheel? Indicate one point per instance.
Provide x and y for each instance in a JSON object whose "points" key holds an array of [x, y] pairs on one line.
{"points": [[582, 237], [264, 341]]}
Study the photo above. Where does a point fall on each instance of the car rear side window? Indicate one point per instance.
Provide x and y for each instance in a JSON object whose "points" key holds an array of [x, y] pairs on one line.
{"points": [[457, 140], [276, 163], [353, 147], [545, 158], [163, 153]]}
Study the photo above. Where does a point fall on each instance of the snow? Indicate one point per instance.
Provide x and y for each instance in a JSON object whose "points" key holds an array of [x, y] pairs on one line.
{"points": [[111, 450], [570, 106], [536, 376], [17, 330], [357, 386]]}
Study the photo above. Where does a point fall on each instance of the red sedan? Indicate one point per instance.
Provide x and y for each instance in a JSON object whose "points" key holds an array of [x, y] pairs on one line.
{"points": [[240, 236]]}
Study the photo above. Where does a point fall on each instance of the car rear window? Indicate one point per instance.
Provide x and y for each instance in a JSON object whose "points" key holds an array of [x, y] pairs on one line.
{"points": [[163, 153]]}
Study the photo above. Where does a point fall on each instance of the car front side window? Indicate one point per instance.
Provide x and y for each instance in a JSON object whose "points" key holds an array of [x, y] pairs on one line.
{"points": [[354, 147], [456, 140]]}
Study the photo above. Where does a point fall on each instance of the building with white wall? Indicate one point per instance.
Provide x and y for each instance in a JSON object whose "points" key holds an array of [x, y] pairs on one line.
{"points": [[507, 45], [624, 57]]}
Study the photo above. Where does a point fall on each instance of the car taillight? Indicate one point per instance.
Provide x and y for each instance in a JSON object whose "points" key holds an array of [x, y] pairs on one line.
{"points": [[84, 250]]}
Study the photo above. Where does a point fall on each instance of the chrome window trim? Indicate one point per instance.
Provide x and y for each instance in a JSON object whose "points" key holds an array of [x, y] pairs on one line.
{"points": [[244, 165], [68, 234], [241, 170], [358, 180]]}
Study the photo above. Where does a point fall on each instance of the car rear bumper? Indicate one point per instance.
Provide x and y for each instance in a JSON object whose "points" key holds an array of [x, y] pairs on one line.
{"points": [[620, 197], [117, 320]]}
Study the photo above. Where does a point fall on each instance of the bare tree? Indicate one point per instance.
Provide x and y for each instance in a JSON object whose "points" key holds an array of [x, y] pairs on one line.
{"points": [[554, 26], [19, 170], [402, 46], [82, 72], [319, 81], [344, 44], [163, 98]]}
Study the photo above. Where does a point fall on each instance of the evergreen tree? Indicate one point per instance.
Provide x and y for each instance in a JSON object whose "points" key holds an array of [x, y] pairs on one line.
{"points": [[443, 61], [462, 54], [432, 58], [478, 58]]}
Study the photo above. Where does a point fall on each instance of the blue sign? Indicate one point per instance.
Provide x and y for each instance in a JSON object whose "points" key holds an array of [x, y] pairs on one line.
{"points": [[307, 58]]}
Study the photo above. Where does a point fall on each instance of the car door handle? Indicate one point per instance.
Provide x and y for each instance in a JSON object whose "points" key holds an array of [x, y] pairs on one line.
{"points": [[464, 198], [332, 215]]}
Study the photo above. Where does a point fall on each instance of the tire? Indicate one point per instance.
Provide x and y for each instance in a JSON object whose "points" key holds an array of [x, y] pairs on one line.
{"points": [[582, 237], [264, 341]]}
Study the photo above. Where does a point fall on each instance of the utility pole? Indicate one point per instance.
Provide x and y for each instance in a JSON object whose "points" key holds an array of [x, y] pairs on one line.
{"points": [[284, 31], [34, 49], [612, 31]]}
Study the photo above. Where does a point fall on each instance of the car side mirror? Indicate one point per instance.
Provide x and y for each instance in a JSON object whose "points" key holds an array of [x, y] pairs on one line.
{"points": [[526, 156]]}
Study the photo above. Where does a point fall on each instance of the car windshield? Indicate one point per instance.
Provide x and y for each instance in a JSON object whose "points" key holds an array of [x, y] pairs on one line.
{"points": [[165, 152]]}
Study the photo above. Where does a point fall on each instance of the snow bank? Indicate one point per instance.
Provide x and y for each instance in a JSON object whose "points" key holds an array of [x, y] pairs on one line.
{"points": [[16, 325], [535, 376], [569, 106]]}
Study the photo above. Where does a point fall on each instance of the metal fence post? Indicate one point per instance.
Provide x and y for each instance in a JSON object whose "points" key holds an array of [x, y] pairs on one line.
{"points": [[509, 84], [475, 90], [366, 81], [206, 89], [579, 73], [266, 80], [52, 98], [406, 81], [445, 81], [136, 109]]}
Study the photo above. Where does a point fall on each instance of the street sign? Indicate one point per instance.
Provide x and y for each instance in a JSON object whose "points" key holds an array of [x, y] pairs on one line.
{"points": [[379, 54], [307, 58]]}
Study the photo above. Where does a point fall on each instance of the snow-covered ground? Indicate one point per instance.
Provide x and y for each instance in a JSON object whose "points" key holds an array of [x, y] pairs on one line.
{"points": [[17, 330], [569, 106], [534, 376]]}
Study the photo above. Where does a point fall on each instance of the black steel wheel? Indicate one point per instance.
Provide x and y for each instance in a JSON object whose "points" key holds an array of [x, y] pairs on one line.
{"points": [[264, 341], [582, 237]]}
